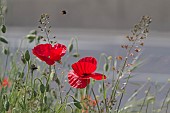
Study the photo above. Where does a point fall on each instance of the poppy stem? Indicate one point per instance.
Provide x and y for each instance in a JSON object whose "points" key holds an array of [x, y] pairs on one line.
{"points": [[124, 88], [145, 99], [26, 84], [48, 78], [6, 63], [96, 100]]}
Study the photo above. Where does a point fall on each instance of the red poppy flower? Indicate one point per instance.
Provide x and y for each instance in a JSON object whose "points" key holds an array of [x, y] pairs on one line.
{"points": [[82, 71], [49, 53]]}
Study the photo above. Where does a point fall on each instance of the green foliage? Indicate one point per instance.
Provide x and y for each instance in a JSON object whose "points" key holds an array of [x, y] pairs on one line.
{"points": [[37, 88]]}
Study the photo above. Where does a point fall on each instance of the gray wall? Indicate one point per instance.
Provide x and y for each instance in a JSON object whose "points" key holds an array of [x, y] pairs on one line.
{"points": [[114, 14]]}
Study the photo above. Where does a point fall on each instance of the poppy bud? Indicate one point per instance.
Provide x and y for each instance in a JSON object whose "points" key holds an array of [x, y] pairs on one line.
{"points": [[3, 29], [6, 105], [5, 51], [70, 47], [27, 56], [106, 67], [42, 88], [2, 39]]}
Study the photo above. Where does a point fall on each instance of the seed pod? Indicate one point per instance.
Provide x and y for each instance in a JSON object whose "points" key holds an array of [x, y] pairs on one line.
{"points": [[119, 58]]}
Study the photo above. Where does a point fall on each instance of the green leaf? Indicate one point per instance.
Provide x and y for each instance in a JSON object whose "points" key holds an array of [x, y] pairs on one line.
{"points": [[3, 29], [2, 39], [23, 59], [47, 87], [33, 32], [27, 56], [45, 99], [31, 37], [77, 103], [57, 81], [150, 99]]}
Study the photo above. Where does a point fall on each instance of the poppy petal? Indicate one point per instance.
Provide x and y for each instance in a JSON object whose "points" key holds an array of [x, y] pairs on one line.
{"points": [[96, 76], [89, 59], [42, 50], [49, 54], [55, 54], [76, 81], [62, 48], [49, 61], [85, 65]]}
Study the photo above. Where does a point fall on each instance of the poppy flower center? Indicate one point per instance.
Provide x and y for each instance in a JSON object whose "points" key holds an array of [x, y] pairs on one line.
{"points": [[85, 74]]}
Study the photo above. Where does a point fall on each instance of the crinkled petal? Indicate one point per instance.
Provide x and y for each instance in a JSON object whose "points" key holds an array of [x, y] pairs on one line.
{"points": [[89, 59], [76, 81], [86, 65], [49, 54], [96, 76], [42, 50], [55, 54], [49, 61], [61, 48]]}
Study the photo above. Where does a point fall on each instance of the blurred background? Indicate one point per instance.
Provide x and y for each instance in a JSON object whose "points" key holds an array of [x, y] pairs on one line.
{"points": [[100, 14], [100, 26]]}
